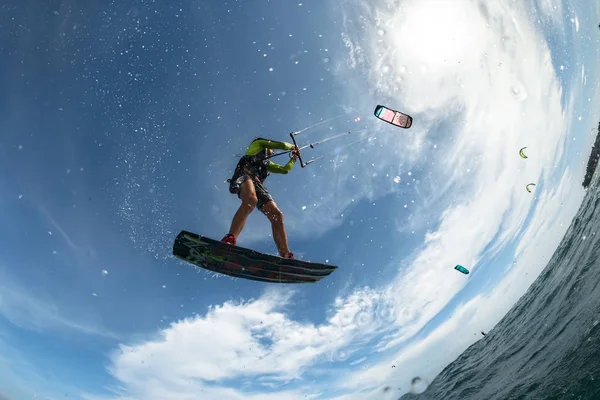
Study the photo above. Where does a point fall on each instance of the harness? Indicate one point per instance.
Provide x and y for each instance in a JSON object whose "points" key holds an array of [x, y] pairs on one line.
{"points": [[255, 166]]}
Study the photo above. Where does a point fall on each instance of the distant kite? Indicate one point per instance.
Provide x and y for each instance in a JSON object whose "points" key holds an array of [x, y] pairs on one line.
{"points": [[462, 269], [521, 152], [393, 117], [527, 187]]}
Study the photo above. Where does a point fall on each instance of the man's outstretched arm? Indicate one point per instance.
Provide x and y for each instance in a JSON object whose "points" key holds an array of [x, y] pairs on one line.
{"points": [[261, 144]]}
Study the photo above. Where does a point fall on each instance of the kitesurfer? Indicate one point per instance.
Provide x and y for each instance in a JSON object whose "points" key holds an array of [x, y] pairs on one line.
{"points": [[247, 182]]}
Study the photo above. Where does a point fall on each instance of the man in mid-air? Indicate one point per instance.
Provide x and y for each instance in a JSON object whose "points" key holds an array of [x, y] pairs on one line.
{"points": [[247, 182]]}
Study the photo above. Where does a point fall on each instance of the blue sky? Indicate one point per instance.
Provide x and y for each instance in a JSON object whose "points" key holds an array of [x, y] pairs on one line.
{"points": [[120, 124]]}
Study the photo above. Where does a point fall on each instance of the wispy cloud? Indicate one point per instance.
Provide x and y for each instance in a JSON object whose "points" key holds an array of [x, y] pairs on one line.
{"points": [[57, 226], [20, 377], [39, 312]]}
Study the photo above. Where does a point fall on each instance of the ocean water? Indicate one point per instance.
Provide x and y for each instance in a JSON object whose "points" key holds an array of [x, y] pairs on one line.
{"points": [[548, 345]]}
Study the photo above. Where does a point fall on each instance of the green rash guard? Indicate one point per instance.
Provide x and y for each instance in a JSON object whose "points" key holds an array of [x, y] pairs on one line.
{"points": [[259, 145]]}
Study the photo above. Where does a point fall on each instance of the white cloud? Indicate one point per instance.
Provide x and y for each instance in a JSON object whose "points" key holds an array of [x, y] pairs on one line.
{"points": [[484, 70], [236, 350]]}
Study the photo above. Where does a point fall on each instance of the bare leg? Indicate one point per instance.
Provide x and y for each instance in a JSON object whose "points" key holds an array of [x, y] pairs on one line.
{"points": [[275, 215], [249, 200]]}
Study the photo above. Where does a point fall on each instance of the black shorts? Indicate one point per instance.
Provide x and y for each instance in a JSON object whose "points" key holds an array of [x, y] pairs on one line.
{"points": [[261, 191]]}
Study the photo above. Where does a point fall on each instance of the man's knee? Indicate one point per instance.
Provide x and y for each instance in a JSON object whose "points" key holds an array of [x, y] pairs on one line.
{"points": [[273, 212], [250, 201]]}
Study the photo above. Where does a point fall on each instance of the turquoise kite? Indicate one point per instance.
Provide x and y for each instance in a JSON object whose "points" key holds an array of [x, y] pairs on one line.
{"points": [[462, 269]]}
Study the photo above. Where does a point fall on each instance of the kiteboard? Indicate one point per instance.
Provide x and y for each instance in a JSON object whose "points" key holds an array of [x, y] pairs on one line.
{"points": [[240, 262]]}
